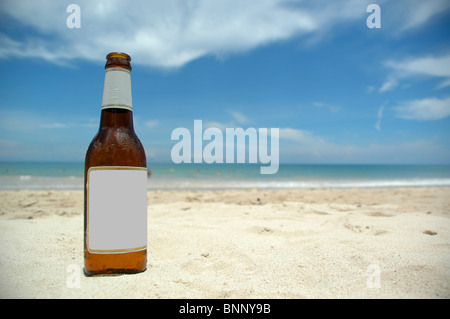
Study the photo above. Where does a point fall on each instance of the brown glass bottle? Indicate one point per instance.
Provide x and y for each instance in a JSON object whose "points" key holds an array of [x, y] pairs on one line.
{"points": [[115, 219]]}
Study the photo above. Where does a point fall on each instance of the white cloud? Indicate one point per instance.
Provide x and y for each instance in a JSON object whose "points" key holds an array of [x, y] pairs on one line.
{"points": [[307, 147], [419, 12], [152, 123], [219, 125], [307, 144], [425, 109], [239, 117], [167, 33], [370, 89], [389, 85], [444, 84], [429, 66], [55, 125], [330, 107], [297, 135], [171, 33], [238, 120], [18, 122], [380, 117]]}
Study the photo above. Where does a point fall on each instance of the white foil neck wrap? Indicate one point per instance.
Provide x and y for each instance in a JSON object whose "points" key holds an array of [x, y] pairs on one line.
{"points": [[117, 90]]}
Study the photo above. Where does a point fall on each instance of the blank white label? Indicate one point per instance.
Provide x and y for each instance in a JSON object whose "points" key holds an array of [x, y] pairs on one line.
{"points": [[117, 209], [117, 89]]}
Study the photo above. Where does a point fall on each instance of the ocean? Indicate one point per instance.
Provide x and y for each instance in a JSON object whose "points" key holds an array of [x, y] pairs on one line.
{"points": [[69, 176]]}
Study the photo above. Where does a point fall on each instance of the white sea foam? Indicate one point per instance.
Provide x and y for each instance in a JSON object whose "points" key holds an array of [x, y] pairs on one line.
{"points": [[40, 183], [286, 184], [76, 183]]}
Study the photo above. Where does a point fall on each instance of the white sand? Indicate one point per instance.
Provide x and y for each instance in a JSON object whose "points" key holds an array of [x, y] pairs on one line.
{"points": [[324, 243]]}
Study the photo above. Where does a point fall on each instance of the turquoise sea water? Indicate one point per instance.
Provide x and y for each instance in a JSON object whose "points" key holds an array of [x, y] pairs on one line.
{"points": [[69, 175]]}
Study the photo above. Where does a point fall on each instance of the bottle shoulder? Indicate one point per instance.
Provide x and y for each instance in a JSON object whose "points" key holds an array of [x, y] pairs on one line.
{"points": [[116, 146]]}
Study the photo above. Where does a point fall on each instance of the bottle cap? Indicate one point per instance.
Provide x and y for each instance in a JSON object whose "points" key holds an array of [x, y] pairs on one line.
{"points": [[118, 59]]}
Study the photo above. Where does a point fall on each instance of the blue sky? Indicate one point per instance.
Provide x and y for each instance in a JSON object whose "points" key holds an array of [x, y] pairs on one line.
{"points": [[338, 91]]}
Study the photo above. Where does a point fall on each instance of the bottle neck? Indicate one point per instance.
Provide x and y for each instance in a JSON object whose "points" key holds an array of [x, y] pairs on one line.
{"points": [[116, 118], [117, 102]]}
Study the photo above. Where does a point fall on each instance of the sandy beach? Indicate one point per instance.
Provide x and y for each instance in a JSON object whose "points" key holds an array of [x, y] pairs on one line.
{"points": [[305, 243]]}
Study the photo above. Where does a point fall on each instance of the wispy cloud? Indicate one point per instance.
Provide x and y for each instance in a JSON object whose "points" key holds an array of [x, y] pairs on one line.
{"points": [[428, 66], [167, 33], [239, 117], [330, 107], [55, 125], [305, 146], [425, 109], [152, 123], [299, 136], [220, 125], [380, 117], [17, 121], [390, 84], [444, 84], [171, 33], [419, 12]]}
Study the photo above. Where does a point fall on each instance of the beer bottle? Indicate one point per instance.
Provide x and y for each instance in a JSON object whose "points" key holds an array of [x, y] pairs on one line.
{"points": [[115, 193]]}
